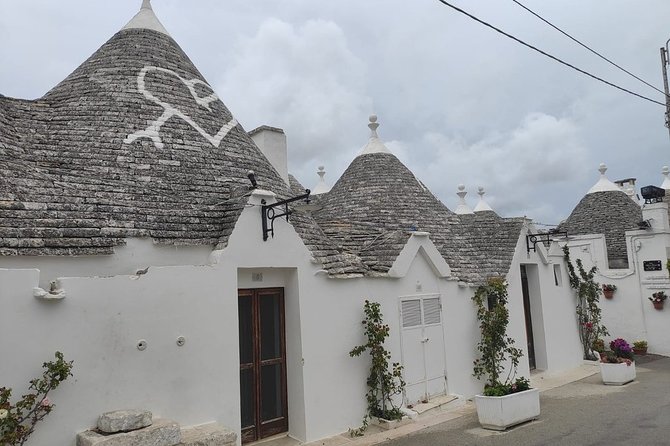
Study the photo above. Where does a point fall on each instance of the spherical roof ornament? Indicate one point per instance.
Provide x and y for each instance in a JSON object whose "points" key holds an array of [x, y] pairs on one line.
{"points": [[482, 205], [374, 145], [321, 187], [603, 184], [462, 207]]}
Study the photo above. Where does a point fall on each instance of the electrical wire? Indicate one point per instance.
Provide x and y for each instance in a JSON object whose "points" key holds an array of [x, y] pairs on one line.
{"points": [[544, 53], [586, 46]]}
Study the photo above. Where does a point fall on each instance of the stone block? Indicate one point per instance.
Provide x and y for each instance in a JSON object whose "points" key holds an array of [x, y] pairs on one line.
{"points": [[124, 420], [213, 434], [160, 433]]}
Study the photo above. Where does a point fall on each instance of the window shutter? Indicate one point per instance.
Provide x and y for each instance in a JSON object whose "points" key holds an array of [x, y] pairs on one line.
{"points": [[411, 313], [431, 311]]}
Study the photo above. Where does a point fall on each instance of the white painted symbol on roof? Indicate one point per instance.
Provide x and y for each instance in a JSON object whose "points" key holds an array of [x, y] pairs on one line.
{"points": [[152, 131]]}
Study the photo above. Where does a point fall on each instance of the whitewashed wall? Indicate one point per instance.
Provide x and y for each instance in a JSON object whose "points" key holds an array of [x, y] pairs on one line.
{"points": [[101, 320], [557, 345], [629, 314], [98, 326]]}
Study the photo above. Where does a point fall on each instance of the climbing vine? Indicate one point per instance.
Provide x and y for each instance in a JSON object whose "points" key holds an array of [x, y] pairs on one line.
{"points": [[496, 348], [384, 381], [588, 312]]}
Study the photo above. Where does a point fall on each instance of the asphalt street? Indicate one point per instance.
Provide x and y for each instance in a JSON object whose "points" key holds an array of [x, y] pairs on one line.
{"points": [[584, 412]]}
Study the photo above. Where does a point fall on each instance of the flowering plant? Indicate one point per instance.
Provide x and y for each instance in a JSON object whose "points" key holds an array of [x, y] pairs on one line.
{"points": [[598, 345], [609, 287], [620, 352], [658, 297], [640, 344], [496, 348], [502, 389], [17, 421]]}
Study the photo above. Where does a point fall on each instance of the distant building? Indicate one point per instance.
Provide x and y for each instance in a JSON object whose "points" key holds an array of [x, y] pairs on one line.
{"points": [[629, 242]]}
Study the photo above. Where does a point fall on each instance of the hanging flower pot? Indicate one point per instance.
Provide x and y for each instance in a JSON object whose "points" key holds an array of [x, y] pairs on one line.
{"points": [[608, 290], [658, 299]]}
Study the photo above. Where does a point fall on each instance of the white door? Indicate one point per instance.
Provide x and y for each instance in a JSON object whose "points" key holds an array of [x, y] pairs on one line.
{"points": [[422, 349]]}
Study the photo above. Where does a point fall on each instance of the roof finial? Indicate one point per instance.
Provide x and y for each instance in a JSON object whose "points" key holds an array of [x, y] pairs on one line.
{"points": [[462, 207], [374, 145], [374, 125], [321, 187], [603, 184], [482, 205], [602, 169], [146, 19], [666, 178]]}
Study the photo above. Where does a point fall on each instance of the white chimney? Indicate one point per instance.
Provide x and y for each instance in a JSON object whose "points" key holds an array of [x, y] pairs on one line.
{"points": [[272, 142], [657, 214]]}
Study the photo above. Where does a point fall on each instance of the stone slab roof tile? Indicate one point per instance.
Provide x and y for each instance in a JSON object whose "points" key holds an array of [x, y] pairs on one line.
{"points": [[611, 213], [377, 202]]}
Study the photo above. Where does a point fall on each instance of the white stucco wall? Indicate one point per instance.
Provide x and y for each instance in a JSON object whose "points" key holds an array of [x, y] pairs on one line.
{"points": [[135, 255], [98, 326], [101, 320], [629, 314], [557, 345]]}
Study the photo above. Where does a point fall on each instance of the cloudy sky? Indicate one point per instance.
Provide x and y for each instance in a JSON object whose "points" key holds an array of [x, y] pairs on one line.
{"points": [[457, 102]]}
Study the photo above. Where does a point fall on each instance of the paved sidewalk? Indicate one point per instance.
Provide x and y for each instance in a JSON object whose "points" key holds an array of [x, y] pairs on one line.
{"points": [[542, 381], [582, 412]]}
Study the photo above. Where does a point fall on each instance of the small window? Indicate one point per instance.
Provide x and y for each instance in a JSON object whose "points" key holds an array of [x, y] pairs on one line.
{"points": [[558, 279]]}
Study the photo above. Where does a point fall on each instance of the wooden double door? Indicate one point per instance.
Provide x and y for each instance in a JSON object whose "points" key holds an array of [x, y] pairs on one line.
{"points": [[264, 408]]}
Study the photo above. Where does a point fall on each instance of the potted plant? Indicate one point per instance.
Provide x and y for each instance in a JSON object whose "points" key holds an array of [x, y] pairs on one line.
{"points": [[640, 347], [608, 290], [509, 401], [658, 298], [617, 366]]}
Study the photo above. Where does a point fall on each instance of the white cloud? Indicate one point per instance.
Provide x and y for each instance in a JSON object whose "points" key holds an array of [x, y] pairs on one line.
{"points": [[303, 79], [541, 157]]}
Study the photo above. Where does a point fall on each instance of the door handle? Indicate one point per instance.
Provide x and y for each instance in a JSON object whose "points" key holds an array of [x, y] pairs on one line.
{"points": [[424, 340]]}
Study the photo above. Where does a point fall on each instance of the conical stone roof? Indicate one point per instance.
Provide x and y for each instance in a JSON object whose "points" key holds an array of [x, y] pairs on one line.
{"points": [[607, 210], [377, 203], [611, 213], [133, 143]]}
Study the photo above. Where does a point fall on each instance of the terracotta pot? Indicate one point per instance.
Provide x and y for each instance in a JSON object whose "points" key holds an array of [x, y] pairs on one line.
{"points": [[608, 294], [658, 305], [640, 351]]}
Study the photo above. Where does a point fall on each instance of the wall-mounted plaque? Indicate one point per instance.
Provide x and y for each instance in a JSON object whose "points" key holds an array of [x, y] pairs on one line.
{"points": [[653, 265]]}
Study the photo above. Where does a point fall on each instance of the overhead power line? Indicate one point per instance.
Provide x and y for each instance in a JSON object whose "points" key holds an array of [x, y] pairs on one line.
{"points": [[544, 53], [586, 46]]}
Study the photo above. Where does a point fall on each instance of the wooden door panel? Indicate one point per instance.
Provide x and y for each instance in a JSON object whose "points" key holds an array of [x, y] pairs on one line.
{"points": [[264, 408]]}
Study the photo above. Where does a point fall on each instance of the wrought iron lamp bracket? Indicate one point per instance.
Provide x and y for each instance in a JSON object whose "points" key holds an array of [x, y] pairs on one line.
{"points": [[269, 214], [545, 238]]}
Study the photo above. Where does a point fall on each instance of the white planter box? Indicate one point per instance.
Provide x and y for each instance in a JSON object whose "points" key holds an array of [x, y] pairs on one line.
{"points": [[617, 374], [501, 412]]}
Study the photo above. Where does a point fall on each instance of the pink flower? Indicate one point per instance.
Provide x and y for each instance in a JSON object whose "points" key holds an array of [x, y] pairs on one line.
{"points": [[46, 402]]}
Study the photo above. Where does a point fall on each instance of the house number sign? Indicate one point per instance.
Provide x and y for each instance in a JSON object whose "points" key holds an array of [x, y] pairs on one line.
{"points": [[652, 265]]}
